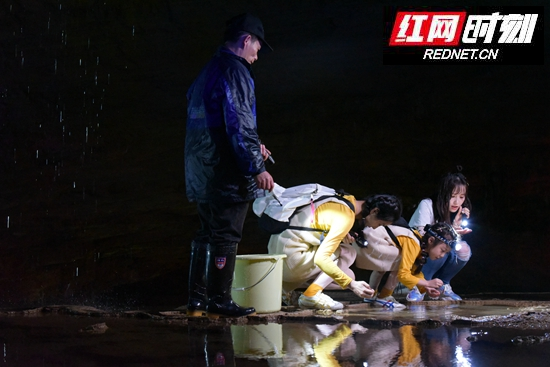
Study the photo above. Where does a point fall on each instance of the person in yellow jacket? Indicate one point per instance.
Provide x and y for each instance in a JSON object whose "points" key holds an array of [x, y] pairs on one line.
{"points": [[414, 250], [325, 256], [438, 240]]}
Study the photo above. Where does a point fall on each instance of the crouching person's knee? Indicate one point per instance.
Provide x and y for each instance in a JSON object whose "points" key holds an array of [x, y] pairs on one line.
{"points": [[464, 253]]}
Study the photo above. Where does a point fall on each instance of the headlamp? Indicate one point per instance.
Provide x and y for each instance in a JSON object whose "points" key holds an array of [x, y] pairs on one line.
{"points": [[454, 244]]}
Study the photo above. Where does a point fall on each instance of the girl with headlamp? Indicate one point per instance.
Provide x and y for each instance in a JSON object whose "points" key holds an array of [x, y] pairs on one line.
{"points": [[438, 240], [404, 251]]}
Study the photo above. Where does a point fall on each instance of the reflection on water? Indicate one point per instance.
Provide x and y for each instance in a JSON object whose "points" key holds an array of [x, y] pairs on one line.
{"points": [[54, 340], [352, 345]]}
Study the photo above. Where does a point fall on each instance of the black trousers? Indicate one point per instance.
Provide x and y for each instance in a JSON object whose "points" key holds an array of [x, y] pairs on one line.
{"points": [[221, 223]]}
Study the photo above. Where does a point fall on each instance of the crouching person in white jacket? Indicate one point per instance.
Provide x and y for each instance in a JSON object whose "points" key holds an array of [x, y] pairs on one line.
{"points": [[315, 259]]}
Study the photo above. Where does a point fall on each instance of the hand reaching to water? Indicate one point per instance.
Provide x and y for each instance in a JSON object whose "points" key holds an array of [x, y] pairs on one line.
{"points": [[433, 292], [361, 289], [434, 283]]}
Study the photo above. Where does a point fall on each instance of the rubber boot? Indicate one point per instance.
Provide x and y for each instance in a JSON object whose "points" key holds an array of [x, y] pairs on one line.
{"points": [[219, 279], [197, 341], [219, 347], [196, 305]]}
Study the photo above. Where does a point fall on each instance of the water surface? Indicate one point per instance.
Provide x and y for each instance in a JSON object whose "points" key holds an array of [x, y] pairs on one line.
{"points": [[61, 340]]}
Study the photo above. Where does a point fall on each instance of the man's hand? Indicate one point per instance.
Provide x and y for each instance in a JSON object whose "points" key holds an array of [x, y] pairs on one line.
{"points": [[361, 289], [264, 181], [265, 152]]}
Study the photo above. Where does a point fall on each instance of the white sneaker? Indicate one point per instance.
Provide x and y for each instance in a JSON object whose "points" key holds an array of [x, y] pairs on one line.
{"points": [[448, 294], [414, 295], [320, 301], [389, 302]]}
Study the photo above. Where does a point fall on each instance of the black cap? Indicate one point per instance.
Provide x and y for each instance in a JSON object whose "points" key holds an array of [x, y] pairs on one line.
{"points": [[246, 23]]}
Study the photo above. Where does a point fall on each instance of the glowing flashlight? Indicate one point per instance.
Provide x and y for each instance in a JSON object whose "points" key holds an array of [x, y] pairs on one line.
{"points": [[464, 220], [458, 245]]}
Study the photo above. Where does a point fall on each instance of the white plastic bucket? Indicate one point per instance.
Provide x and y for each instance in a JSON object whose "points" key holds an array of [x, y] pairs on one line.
{"points": [[258, 341], [258, 282]]}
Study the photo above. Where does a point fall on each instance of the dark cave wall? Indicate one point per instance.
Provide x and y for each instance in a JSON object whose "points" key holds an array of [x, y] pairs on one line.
{"points": [[92, 128]]}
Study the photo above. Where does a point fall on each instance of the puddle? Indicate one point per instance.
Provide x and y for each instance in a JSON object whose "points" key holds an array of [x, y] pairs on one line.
{"points": [[352, 345], [465, 311], [449, 335]]}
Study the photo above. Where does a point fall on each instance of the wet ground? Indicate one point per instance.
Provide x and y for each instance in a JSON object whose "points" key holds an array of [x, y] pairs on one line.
{"points": [[473, 332], [92, 110]]}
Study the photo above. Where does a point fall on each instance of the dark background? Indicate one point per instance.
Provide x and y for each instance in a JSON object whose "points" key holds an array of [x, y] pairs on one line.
{"points": [[92, 127]]}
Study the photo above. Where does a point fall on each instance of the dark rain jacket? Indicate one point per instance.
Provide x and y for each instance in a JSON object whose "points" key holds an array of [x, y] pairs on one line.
{"points": [[222, 148]]}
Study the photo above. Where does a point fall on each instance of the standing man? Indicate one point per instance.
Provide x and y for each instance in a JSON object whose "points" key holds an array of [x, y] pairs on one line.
{"points": [[224, 164]]}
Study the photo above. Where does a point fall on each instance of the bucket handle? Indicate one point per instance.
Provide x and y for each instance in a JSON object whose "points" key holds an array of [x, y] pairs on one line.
{"points": [[273, 264]]}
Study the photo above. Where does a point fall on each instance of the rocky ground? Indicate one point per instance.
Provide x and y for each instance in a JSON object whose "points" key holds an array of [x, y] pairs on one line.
{"points": [[526, 315]]}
